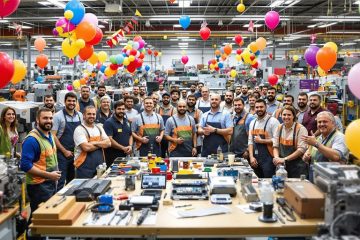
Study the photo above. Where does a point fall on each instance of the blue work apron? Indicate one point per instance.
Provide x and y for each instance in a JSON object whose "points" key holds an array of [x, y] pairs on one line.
{"points": [[203, 109], [213, 141]]}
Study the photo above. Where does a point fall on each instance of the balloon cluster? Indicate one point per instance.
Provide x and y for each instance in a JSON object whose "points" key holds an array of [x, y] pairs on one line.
{"points": [[80, 30], [325, 57], [42, 59], [250, 54], [10, 70]]}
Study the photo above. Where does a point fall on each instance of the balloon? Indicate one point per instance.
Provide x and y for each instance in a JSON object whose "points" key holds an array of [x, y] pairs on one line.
{"points": [[271, 56], [86, 31], [40, 44], [97, 38], [255, 65], [102, 56], [19, 73], [76, 84], [69, 48], [83, 81], [86, 52], [233, 73], [217, 52], [354, 80], [119, 59], [240, 8], [55, 32], [102, 68], [80, 43], [184, 59], [220, 65], [224, 57], [332, 45], [326, 58], [7, 69], [78, 10], [42, 60], [131, 58], [93, 59], [238, 39], [238, 51], [133, 52], [238, 58], [352, 137], [310, 55], [141, 44], [112, 59], [205, 33], [227, 49], [295, 58], [253, 47], [141, 56], [185, 22], [156, 53], [68, 14], [91, 18], [321, 72], [71, 61], [273, 79], [147, 68], [63, 25], [8, 7], [272, 19], [126, 61], [261, 43], [39, 79], [69, 87]]}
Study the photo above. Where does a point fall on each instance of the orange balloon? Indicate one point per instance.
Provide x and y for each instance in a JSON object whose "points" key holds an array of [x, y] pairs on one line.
{"points": [[42, 60], [83, 81], [217, 52], [326, 58], [93, 59], [86, 52], [227, 49], [40, 44], [224, 56], [85, 31]]}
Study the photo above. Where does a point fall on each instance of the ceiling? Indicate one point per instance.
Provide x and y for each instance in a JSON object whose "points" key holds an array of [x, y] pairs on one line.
{"points": [[330, 20]]}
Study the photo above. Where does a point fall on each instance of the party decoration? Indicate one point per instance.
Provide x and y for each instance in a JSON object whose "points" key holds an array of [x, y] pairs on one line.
{"points": [[240, 7], [40, 79], [69, 87], [273, 79], [7, 69], [184, 21], [40, 44], [310, 55], [80, 43], [42, 60], [69, 48], [78, 10], [238, 39], [321, 72], [270, 56], [205, 33], [7, 7], [261, 43], [63, 27], [272, 19], [352, 134], [97, 38], [253, 47], [354, 80], [102, 56], [86, 31], [295, 58], [184, 59], [68, 14], [76, 84], [228, 49], [233, 73], [326, 58], [86, 52], [93, 59], [19, 73], [332, 45], [91, 18]]}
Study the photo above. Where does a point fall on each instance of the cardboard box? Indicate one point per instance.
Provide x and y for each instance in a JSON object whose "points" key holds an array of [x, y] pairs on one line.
{"points": [[306, 199]]}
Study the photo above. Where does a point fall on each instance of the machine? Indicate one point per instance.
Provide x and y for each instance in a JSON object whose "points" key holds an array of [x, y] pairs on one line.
{"points": [[341, 183]]}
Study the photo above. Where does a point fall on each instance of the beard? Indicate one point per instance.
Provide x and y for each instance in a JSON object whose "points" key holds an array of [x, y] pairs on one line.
{"points": [[313, 106], [166, 102], [191, 105], [101, 95], [228, 101], [260, 113], [301, 104], [270, 98], [181, 112], [119, 115], [49, 105], [45, 126]]}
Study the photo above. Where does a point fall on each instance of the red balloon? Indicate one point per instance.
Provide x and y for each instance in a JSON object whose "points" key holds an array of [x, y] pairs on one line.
{"points": [[98, 37], [141, 56], [271, 56], [156, 53], [205, 33], [139, 62], [213, 61], [131, 67], [252, 57], [149, 51], [217, 68], [184, 59], [238, 39], [137, 38], [133, 52], [86, 52], [273, 79], [238, 51], [255, 65], [42, 60], [114, 66], [243, 72], [7, 69], [8, 7]]}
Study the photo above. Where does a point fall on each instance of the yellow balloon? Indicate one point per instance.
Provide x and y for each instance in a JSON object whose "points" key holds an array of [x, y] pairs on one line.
{"points": [[93, 59], [233, 73], [102, 56], [69, 48], [212, 66], [238, 57], [136, 81], [68, 14], [108, 72], [80, 43], [352, 134], [159, 54], [240, 8], [20, 72], [76, 84], [253, 47], [126, 61], [295, 58], [331, 45], [131, 58], [321, 72], [261, 43], [246, 56]]}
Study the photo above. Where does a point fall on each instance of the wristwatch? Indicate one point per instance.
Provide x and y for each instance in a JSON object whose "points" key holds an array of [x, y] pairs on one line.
{"points": [[215, 131], [316, 145], [285, 159]]}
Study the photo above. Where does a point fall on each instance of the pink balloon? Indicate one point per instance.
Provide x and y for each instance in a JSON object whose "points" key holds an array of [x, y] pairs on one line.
{"points": [[71, 61], [184, 59], [272, 19], [141, 44], [8, 7], [65, 24], [91, 18], [69, 87], [354, 80]]}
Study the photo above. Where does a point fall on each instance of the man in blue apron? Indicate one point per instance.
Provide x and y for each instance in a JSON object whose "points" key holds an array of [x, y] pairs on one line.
{"points": [[203, 103], [262, 132], [85, 99], [118, 129], [217, 128], [241, 121], [180, 131], [63, 129], [196, 114], [148, 130], [90, 141], [165, 110]]}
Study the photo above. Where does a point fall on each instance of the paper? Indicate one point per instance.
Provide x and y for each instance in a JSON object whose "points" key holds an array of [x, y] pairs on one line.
{"points": [[245, 208], [202, 212]]}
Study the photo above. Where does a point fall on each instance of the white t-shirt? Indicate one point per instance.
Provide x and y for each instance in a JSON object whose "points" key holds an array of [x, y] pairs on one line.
{"points": [[81, 136]]}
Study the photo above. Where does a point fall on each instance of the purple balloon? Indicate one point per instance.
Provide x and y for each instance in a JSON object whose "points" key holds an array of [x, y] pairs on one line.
{"points": [[310, 55], [55, 32]]}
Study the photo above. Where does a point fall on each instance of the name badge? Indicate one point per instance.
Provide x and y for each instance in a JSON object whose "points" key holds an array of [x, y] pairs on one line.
{"points": [[120, 130]]}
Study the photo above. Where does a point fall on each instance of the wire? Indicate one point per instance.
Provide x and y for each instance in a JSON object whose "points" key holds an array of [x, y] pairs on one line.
{"points": [[334, 222], [102, 208]]}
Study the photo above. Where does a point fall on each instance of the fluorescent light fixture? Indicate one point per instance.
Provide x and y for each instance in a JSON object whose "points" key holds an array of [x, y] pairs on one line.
{"points": [[182, 37], [348, 44], [312, 26], [183, 43], [57, 3], [44, 3], [4, 21], [255, 25], [6, 44], [344, 32], [177, 26], [327, 25], [23, 27], [284, 43], [357, 40], [276, 3], [184, 3], [337, 19]]}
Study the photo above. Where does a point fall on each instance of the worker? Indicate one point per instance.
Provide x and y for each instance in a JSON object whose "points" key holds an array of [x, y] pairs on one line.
{"points": [[63, 129], [217, 128], [263, 92], [104, 112], [101, 92], [241, 123], [227, 104], [118, 129], [184, 94], [272, 103], [90, 140], [329, 146], [180, 131], [130, 112], [302, 102], [49, 103], [165, 110], [148, 130], [309, 119], [245, 93], [261, 135], [196, 114], [203, 103], [84, 100], [137, 98], [252, 100], [142, 93], [200, 85], [39, 161], [175, 95], [192, 90], [9, 135], [289, 146], [156, 98], [288, 101]]}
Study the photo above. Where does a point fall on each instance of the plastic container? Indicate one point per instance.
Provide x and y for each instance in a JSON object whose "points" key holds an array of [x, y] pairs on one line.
{"points": [[266, 192]]}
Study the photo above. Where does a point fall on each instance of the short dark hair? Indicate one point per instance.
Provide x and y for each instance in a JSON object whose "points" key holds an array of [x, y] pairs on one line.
{"points": [[101, 86], [316, 95], [119, 104], [84, 86], [191, 96], [304, 94], [256, 95], [262, 87], [290, 96], [175, 90], [128, 97], [41, 110], [251, 96], [239, 99], [70, 95], [261, 101], [271, 88], [48, 96]]}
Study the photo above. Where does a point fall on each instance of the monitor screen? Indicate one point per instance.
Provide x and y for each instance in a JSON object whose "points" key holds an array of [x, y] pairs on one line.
{"points": [[153, 181]]}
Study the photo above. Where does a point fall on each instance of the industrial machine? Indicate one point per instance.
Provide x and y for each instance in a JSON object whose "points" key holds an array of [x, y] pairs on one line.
{"points": [[341, 183]]}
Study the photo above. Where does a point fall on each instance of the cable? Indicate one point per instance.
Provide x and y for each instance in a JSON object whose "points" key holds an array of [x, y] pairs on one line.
{"points": [[102, 208], [332, 225]]}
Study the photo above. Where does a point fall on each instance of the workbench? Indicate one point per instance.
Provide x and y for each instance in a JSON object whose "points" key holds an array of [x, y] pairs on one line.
{"points": [[8, 223]]}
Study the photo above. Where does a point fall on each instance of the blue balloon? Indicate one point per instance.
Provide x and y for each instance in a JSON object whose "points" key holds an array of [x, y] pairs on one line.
{"points": [[119, 59], [147, 68], [39, 79], [78, 10], [257, 53], [220, 65], [102, 68], [185, 21]]}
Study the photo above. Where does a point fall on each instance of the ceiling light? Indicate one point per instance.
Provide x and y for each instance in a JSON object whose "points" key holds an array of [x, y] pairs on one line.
{"points": [[23, 27], [4, 21], [183, 43], [312, 26], [348, 44], [177, 25], [276, 3], [182, 37], [357, 40], [357, 2], [57, 3], [327, 25], [45, 3], [184, 3], [255, 25], [220, 23], [284, 43], [344, 32]]}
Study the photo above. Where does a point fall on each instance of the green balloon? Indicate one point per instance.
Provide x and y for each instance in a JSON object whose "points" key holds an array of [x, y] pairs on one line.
{"points": [[113, 59]]}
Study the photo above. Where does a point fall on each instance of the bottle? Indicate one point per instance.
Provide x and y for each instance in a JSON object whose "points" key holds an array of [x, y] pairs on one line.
{"points": [[281, 172], [220, 154], [281, 176], [266, 192]]}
